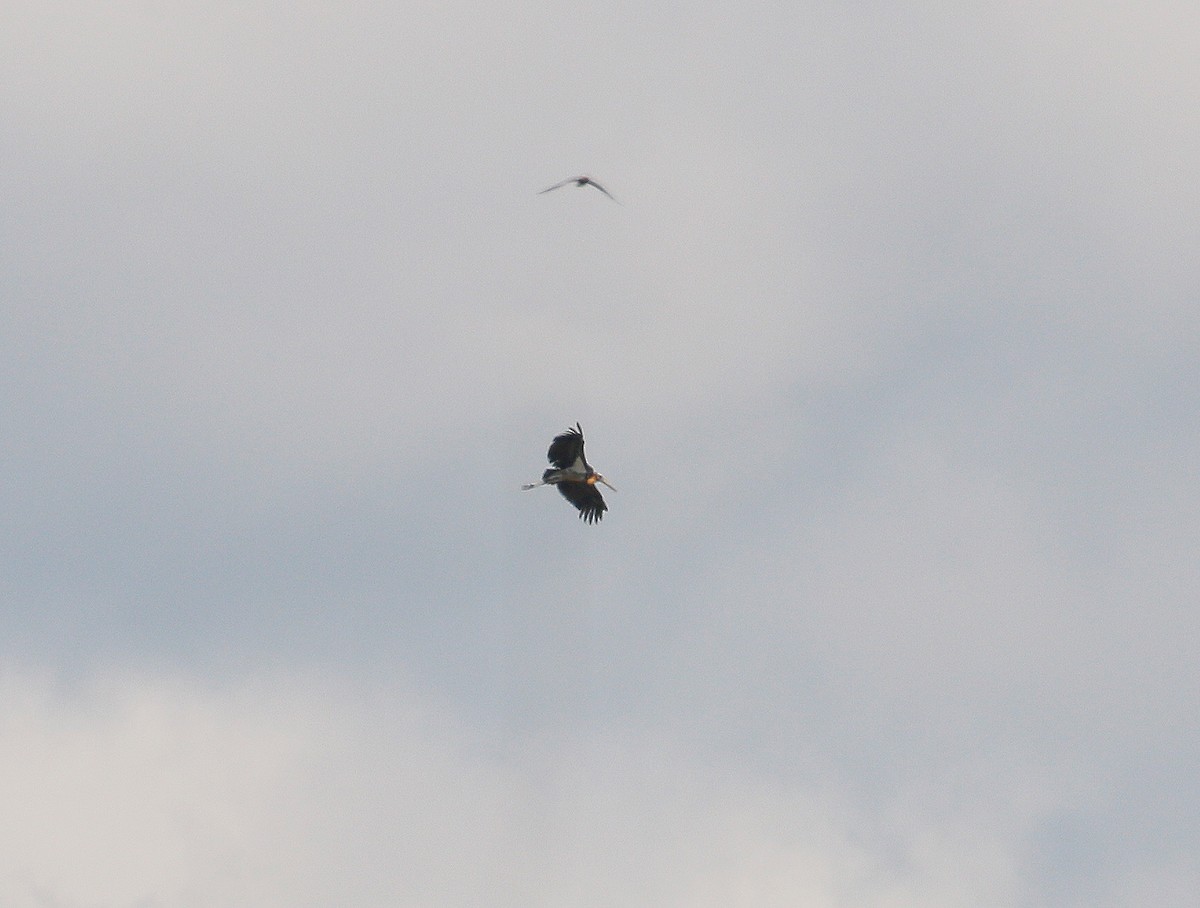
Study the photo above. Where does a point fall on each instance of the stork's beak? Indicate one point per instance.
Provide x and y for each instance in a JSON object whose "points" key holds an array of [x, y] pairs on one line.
{"points": [[606, 482]]}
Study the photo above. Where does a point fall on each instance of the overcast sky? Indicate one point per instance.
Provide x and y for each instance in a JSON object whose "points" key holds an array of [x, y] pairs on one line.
{"points": [[891, 347]]}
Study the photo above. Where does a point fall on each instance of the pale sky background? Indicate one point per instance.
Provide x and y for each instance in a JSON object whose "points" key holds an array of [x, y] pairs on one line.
{"points": [[891, 349]]}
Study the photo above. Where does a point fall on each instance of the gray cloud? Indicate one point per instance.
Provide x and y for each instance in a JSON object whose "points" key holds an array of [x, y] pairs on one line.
{"points": [[303, 794], [889, 348]]}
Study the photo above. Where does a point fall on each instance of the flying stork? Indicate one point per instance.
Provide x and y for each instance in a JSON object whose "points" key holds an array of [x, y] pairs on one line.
{"points": [[576, 480], [580, 181]]}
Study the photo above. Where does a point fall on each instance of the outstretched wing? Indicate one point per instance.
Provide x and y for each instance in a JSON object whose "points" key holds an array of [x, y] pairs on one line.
{"points": [[567, 450], [586, 498], [602, 189], [559, 185]]}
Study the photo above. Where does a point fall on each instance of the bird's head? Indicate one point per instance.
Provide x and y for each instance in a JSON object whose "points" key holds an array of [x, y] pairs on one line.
{"points": [[597, 478]]}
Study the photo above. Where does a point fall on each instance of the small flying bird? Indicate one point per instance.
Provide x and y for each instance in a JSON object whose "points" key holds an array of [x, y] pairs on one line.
{"points": [[580, 181], [575, 479]]}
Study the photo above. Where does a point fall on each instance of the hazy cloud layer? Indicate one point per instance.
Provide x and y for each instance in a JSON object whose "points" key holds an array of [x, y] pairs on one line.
{"points": [[890, 348], [144, 793]]}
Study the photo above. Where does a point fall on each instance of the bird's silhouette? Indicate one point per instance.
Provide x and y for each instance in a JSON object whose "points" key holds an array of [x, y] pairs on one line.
{"points": [[579, 181]]}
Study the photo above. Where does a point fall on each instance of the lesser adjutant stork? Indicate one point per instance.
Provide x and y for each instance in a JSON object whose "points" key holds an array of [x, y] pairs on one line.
{"points": [[575, 478]]}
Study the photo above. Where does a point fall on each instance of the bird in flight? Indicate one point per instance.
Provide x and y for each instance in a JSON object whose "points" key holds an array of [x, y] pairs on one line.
{"points": [[580, 181], [575, 479]]}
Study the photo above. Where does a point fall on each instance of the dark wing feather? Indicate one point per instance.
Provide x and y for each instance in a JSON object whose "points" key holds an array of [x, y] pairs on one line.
{"points": [[586, 498], [602, 189], [567, 448], [557, 185]]}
